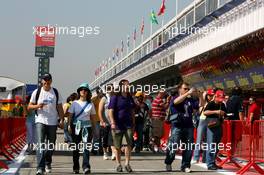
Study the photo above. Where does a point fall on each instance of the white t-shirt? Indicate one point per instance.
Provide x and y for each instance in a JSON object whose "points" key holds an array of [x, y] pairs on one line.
{"points": [[49, 114], [78, 105], [106, 115]]}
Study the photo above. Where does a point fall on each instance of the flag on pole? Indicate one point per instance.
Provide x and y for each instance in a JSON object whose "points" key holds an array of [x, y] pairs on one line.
{"points": [[128, 40], [117, 52], [122, 46], [135, 34], [113, 57], [142, 27], [154, 18], [162, 8]]}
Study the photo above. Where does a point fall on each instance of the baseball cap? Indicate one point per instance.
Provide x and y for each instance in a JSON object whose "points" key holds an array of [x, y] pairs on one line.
{"points": [[210, 92], [47, 76], [219, 95], [138, 94]]}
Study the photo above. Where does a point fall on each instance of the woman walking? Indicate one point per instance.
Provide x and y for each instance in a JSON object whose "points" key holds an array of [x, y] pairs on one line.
{"points": [[81, 122]]}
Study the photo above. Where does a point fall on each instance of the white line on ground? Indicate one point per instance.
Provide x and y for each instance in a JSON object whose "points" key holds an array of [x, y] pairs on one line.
{"points": [[15, 166], [203, 165]]}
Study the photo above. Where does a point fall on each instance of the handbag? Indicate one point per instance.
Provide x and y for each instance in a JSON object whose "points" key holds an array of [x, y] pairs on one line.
{"points": [[214, 122], [175, 118]]}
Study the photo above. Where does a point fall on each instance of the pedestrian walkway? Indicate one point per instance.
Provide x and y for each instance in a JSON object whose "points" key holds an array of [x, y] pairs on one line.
{"points": [[143, 163]]}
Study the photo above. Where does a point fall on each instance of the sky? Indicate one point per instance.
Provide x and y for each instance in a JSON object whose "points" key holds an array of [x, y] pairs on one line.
{"points": [[76, 58]]}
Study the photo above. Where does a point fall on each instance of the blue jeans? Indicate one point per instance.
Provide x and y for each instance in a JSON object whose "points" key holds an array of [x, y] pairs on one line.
{"points": [[201, 135], [214, 136], [139, 130], [46, 135], [97, 137], [67, 136], [180, 135]]}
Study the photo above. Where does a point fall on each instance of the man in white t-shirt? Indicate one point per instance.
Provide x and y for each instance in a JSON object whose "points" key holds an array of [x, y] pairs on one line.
{"points": [[47, 103]]}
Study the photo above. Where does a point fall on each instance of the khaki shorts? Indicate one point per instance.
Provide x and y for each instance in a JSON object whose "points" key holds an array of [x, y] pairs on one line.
{"points": [[118, 138], [157, 128]]}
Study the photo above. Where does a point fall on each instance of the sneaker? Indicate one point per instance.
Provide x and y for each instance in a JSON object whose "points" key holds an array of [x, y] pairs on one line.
{"points": [[86, 171], [128, 168], [212, 168], [145, 149], [187, 170], [156, 149], [113, 157], [39, 172], [48, 169], [168, 168], [195, 162], [218, 167], [105, 157], [76, 172], [119, 168]]}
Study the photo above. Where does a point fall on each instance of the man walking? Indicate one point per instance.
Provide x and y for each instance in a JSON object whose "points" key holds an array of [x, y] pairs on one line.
{"points": [[183, 107], [47, 103]]}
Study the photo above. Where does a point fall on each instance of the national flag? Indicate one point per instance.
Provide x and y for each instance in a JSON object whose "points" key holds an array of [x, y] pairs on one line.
{"points": [[142, 27], [100, 69], [113, 57], [122, 46], [154, 18], [135, 34], [128, 40], [162, 8], [117, 52]]}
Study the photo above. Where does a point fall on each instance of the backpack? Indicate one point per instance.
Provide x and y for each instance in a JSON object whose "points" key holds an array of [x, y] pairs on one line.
{"points": [[38, 93]]}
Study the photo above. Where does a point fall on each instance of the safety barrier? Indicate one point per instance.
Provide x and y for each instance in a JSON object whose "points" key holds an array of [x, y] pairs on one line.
{"points": [[247, 144], [12, 137], [240, 141]]}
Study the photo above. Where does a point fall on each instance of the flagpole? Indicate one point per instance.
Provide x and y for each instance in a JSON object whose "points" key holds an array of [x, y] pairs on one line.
{"points": [[150, 28], [177, 30], [142, 38], [176, 7], [162, 22]]}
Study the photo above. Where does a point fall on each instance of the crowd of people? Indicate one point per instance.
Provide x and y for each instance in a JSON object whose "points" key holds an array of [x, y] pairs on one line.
{"points": [[117, 121]]}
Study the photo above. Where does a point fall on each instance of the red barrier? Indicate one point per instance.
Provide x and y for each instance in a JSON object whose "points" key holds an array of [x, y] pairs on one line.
{"points": [[255, 154], [12, 137], [247, 143], [166, 133]]}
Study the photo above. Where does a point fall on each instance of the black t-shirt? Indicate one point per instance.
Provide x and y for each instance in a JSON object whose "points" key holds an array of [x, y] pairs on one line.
{"points": [[141, 112], [234, 106], [212, 106]]}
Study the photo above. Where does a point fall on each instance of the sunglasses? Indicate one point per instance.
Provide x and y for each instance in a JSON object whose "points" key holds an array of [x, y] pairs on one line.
{"points": [[186, 89], [46, 79], [83, 89]]}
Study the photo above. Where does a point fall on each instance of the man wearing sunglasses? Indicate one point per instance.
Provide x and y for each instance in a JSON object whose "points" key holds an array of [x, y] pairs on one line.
{"points": [[183, 107], [47, 103]]}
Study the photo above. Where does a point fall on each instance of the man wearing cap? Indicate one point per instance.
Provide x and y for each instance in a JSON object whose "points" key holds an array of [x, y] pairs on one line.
{"points": [[202, 127], [215, 111], [47, 104]]}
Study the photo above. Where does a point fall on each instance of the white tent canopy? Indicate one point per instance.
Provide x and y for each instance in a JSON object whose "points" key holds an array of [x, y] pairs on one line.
{"points": [[10, 83], [12, 88]]}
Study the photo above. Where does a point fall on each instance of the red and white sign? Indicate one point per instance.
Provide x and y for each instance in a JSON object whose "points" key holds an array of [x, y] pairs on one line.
{"points": [[45, 36]]}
